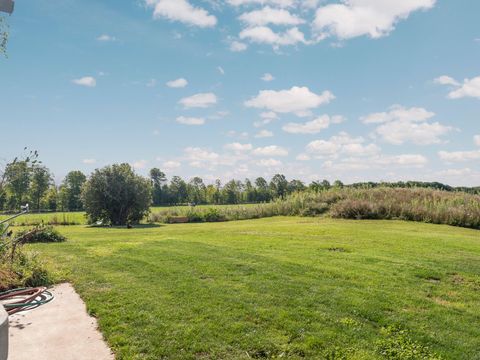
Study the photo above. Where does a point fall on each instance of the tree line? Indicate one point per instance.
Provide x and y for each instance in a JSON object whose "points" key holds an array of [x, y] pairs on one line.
{"points": [[26, 181]]}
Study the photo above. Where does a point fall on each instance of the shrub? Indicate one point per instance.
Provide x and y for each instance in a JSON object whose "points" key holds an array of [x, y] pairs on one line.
{"points": [[45, 234], [115, 195]]}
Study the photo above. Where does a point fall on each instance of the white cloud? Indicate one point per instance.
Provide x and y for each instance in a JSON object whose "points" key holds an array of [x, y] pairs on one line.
{"points": [[265, 35], [267, 77], [178, 83], [183, 11], [264, 134], [106, 38], [202, 100], [342, 143], [190, 120], [376, 162], [171, 165], [238, 147], [221, 70], [89, 161], [476, 140], [459, 156], [87, 81], [313, 126], [272, 150], [268, 163], [237, 46], [279, 3], [469, 88], [446, 80], [140, 164], [398, 113], [298, 100], [400, 125], [375, 18], [303, 157], [269, 15]]}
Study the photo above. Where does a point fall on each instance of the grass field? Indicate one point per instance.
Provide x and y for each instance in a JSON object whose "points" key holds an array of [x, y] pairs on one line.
{"points": [[78, 218], [279, 288]]}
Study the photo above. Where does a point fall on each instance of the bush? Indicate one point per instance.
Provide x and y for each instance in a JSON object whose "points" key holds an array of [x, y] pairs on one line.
{"points": [[45, 234], [115, 195]]}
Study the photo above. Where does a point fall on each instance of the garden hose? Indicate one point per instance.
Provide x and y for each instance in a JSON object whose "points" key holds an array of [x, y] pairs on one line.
{"points": [[30, 301]]}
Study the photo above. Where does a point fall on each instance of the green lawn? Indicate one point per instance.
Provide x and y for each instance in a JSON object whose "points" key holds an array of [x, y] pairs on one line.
{"points": [[279, 288], [78, 218]]}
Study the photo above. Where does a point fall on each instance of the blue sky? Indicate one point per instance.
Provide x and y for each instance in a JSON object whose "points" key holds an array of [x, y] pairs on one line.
{"points": [[360, 90]]}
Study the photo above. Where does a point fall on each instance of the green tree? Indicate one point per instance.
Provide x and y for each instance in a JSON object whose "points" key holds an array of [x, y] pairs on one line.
{"points": [[261, 187], [178, 190], [116, 195], [41, 180], [279, 185], [71, 191], [196, 191], [17, 178], [158, 179], [295, 185], [51, 198]]}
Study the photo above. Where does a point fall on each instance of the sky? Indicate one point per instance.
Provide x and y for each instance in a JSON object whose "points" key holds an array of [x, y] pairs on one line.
{"points": [[356, 90]]}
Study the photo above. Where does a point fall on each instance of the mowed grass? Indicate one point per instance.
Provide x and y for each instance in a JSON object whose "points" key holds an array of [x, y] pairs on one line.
{"points": [[296, 288]]}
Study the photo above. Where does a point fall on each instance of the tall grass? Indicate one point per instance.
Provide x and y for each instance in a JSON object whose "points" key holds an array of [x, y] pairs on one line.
{"points": [[424, 205]]}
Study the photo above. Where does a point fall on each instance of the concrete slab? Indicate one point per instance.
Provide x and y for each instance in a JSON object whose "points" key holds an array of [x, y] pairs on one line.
{"points": [[59, 330], [3, 334]]}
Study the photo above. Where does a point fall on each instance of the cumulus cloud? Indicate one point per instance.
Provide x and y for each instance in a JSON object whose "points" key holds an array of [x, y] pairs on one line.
{"points": [[171, 165], [269, 163], [297, 100], [265, 35], [140, 164], [341, 144], [202, 100], [313, 126], [374, 18], [269, 15], [264, 134], [279, 3], [87, 81], [459, 156], [400, 125], [238, 147], [469, 88], [178, 83], [476, 140], [272, 150], [190, 120], [446, 80], [182, 11], [267, 77], [237, 46]]}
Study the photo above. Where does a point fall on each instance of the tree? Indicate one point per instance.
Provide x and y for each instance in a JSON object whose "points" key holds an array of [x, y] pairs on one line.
{"points": [[158, 179], [261, 186], [279, 185], [17, 178], [116, 195], [178, 190], [71, 191], [3, 36], [196, 191], [295, 185], [39, 184]]}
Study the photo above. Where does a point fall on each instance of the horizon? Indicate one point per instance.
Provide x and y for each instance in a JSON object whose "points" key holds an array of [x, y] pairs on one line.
{"points": [[243, 89]]}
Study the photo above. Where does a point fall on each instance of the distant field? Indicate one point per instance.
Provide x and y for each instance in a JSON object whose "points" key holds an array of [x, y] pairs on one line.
{"points": [[283, 287], [78, 218]]}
